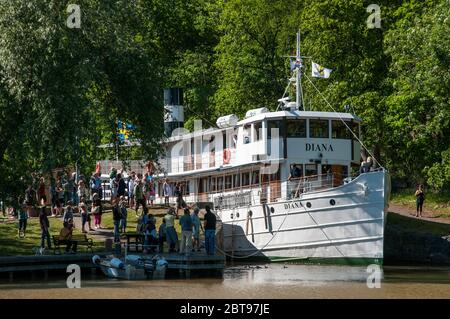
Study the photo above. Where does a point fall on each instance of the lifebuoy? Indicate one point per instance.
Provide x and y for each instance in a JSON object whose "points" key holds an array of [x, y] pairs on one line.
{"points": [[226, 156], [98, 168]]}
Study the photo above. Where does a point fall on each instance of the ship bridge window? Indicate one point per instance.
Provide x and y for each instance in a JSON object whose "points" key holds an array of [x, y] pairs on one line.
{"points": [[246, 133], [339, 130], [318, 129], [277, 125], [296, 128], [258, 131]]}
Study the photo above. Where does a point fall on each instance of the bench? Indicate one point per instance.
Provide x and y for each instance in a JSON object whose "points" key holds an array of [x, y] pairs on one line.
{"points": [[137, 239], [81, 239]]}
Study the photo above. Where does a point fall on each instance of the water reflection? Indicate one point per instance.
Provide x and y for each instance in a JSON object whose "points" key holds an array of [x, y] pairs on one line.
{"points": [[277, 274], [249, 281]]}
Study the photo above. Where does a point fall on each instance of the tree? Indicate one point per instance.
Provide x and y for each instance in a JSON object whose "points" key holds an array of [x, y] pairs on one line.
{"points": [[419, 107]]}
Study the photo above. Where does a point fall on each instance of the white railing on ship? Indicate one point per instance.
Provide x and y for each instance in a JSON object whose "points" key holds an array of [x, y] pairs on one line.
{"points": [[270, 191]]}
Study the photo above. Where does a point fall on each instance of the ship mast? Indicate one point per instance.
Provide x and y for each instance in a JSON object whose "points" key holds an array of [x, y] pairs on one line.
{"points": [[298, 86]]}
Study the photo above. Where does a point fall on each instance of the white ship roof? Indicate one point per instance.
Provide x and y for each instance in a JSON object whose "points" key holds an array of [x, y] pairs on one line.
{"points": [[273, 115], [300, 114]]}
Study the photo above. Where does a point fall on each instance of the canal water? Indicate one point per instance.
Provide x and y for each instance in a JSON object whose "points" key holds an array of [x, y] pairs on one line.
{"points": [[251, 281]]}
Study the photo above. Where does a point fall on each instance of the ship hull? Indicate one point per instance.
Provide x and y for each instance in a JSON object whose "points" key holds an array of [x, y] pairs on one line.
{"points": [[340, 225]]}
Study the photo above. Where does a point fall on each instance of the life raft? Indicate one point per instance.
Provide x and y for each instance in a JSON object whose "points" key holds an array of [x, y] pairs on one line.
{"points": [[226, 156]]}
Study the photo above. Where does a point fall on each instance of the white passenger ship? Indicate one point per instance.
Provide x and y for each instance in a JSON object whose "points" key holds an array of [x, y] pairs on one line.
{"points": [[243, 169]]}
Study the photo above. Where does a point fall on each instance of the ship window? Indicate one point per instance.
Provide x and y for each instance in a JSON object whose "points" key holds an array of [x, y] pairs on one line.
{"points": [[318, 128], [219, 183], [255, 177], [274, 124], [185, 187], [258, 131], [246, 134], [213, 184], [339, 130], [310, 169], [224, 137], [296, 128], [228, 180], [245, 179], [237, 180]]}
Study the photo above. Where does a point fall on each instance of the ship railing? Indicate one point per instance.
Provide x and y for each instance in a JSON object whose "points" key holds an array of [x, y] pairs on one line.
{"points": [[306, 184], [269, 191]]}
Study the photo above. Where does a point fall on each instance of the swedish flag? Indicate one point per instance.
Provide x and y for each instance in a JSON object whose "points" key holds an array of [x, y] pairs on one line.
{"points": [[125, 131]]}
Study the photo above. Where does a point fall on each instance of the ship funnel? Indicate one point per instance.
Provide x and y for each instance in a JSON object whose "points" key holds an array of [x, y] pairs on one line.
{"points": [[173, 110]]}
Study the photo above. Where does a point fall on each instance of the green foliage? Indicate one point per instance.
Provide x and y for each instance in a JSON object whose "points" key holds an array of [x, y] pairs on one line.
{"points": [[63, 90], [438, 175]]}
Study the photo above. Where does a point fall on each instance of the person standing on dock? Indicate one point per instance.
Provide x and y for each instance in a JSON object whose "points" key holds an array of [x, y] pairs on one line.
{"points": [[210, 231], [196, 229], [45, 234], [139, 194], [186, 232], [167, 192], [420, 198], [172, 237], [131, 181], [124, 213], [96, 210], [162, 232]]}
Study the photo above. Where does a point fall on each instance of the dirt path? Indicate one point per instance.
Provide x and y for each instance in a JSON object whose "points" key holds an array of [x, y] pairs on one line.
{"points": [[409, 212], [97, 234]]}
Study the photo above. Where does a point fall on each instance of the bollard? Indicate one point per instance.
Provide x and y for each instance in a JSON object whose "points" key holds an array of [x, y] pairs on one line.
{"points": [[108, 244], [117, 249]]}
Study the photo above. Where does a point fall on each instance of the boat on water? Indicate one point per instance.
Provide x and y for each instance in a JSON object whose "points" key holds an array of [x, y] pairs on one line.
{"points": [[131, 267], [281, 182], [286, 185]]}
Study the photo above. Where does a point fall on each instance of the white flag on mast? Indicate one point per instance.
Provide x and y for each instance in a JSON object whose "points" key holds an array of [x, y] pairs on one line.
{"points": [[319, 71]]}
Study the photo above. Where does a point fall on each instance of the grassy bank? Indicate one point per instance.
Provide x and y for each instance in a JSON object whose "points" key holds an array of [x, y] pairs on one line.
{"points": [[436, 204], [11, 244], [418, 225]]}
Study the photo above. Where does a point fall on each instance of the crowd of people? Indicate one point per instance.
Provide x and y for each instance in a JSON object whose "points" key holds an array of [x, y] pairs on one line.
{"points": [[69, 196], [190, 231]]}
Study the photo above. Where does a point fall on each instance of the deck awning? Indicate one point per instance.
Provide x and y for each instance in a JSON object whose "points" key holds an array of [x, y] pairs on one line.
{"points": [[217, 170]]}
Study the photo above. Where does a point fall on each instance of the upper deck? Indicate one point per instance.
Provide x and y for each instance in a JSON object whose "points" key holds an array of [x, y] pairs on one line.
{"points": [[302, 137]]}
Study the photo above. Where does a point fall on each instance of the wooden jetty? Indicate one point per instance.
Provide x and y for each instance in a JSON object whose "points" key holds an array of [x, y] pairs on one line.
{"points": [[200, 263], [43, 264]]}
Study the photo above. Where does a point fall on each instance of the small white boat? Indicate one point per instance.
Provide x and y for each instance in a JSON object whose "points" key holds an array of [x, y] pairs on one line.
{"points": [[132, 267]]}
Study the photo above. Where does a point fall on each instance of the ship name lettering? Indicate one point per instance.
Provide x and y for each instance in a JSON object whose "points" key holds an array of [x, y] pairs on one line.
{"points": [[292, 205], [319, 147]]}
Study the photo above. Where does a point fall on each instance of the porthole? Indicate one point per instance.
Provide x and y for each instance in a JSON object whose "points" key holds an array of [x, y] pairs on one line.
{"points": [[237, 215], [332, 202], [250, 213], [308, 204], [231, 215], [272, 210]]}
